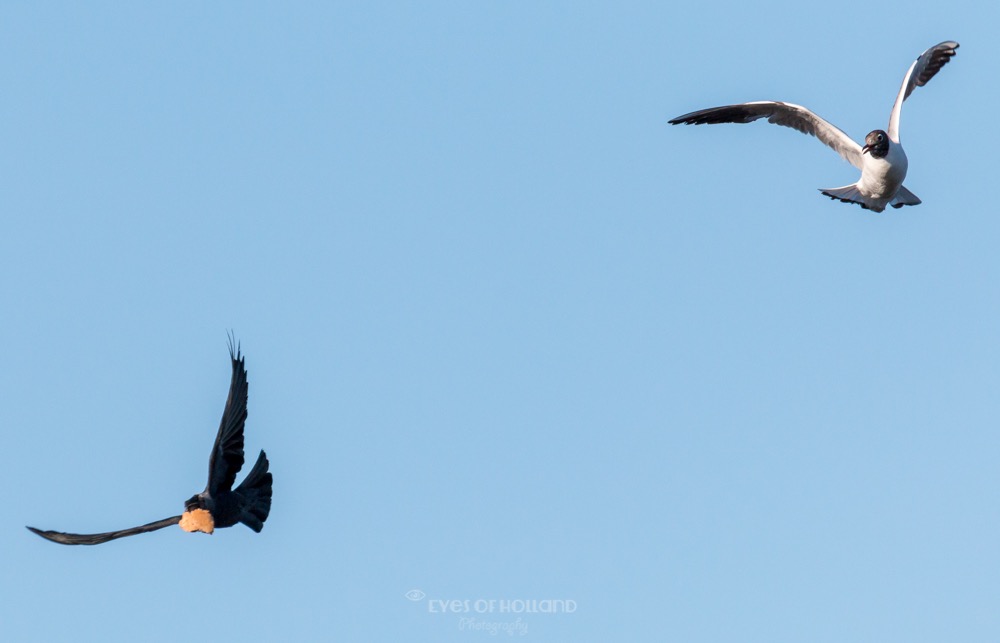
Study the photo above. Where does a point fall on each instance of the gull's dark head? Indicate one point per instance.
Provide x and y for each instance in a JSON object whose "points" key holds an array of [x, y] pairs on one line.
{"points": [[876, 144]]}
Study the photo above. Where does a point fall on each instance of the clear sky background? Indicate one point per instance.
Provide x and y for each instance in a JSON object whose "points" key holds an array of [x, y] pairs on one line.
{"points": [[510, 336]]}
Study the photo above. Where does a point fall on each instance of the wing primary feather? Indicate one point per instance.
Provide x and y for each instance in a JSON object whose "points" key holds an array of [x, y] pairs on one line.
{"points": [[936, 57]]}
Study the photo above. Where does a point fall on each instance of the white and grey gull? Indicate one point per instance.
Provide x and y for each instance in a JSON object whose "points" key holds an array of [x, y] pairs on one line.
{"points": [[881, 160]]}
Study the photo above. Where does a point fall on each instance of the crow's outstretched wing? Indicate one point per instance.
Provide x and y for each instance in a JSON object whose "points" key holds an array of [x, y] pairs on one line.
{"points": [[97, 539], [227, 453]]}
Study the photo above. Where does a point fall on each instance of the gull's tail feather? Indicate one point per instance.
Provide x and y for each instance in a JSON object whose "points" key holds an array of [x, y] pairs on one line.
{"points": [[256, 489], [904, 197], [850, 194], [97, 539]]}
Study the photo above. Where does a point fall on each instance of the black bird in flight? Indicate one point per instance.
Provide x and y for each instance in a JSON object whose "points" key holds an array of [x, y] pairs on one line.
{"points": [[219, 505]]}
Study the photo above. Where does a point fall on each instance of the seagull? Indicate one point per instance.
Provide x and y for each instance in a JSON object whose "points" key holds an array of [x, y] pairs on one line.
{"points": [[219, 505], [881, 159]]}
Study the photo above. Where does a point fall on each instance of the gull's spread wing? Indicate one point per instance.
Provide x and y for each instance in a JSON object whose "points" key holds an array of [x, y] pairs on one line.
{"points": [[921, 71], [785, 114]]}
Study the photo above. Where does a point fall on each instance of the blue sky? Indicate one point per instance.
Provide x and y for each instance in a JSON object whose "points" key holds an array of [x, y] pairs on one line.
{"points": [[510, 336]]}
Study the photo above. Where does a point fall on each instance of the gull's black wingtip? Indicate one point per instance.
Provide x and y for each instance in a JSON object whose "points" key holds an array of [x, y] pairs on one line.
{"points": [[691, 118], [741, 113]]}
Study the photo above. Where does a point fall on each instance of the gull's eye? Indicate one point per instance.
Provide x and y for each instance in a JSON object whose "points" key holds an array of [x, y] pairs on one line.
{"points": [[880, 138]]}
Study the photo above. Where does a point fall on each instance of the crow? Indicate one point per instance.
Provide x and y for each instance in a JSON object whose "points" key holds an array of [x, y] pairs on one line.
{"points": [[219, 505]]}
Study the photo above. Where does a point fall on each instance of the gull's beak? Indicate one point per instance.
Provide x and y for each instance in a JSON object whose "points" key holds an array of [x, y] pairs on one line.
{"points": [[866, 148]]}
